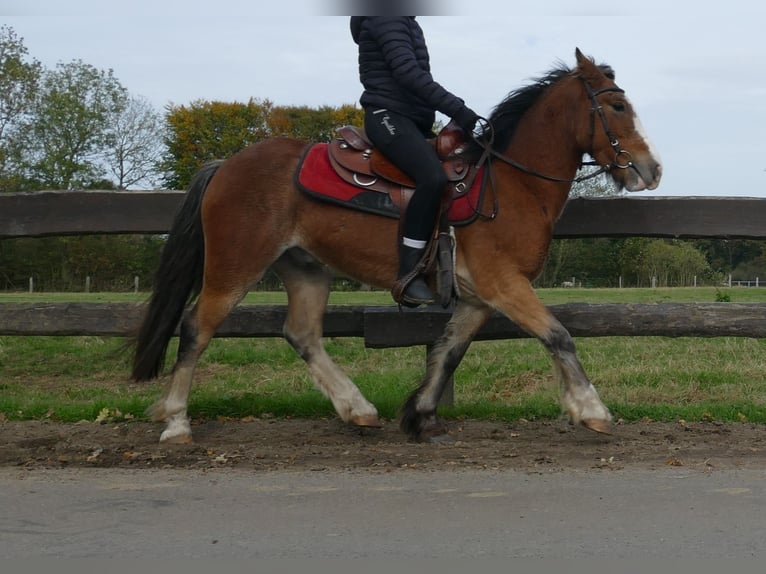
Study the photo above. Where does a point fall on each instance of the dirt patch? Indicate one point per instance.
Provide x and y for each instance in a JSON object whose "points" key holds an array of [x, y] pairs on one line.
{"points": [[272, 444]]}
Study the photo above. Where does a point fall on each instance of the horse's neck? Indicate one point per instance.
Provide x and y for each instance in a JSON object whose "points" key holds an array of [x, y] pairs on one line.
{"points": [[545, 142]]}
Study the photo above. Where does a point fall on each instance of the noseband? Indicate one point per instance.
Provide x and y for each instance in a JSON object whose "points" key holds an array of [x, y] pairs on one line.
{"points": [[622, 158]]}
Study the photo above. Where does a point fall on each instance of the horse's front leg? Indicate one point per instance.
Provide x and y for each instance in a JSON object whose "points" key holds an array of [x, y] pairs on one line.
{"points": [[419, 418], [579, 397]]}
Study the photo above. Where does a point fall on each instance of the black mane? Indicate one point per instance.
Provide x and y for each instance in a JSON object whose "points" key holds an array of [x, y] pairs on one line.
{"points": [[506, 115]]}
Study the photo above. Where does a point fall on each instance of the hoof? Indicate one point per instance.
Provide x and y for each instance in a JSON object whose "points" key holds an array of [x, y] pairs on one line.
{"points": [[176, 439], [366, 421], [434, 433], [441, 439], [600, 426]]}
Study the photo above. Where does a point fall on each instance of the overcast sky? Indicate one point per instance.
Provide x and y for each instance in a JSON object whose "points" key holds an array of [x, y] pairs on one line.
{"points": [[696, 71]]}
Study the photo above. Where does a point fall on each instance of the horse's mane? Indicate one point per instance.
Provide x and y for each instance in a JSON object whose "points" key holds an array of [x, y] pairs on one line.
{"points": [[505, 117]]}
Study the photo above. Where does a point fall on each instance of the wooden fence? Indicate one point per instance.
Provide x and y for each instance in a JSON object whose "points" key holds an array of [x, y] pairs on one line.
{"points": [[106, 212]]}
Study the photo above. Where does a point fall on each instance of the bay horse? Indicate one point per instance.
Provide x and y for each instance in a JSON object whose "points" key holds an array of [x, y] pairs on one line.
{"points": [[245, 215]]}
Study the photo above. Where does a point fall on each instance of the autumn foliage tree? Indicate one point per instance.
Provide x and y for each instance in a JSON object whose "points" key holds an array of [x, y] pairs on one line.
{"points": [[203, 131]]}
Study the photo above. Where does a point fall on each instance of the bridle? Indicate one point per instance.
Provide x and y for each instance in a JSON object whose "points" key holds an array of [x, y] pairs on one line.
{"points": [[597, 108], [622, 158]]}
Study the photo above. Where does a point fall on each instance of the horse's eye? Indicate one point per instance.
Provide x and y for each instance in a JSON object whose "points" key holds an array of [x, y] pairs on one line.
{"points": [[618, 106]]}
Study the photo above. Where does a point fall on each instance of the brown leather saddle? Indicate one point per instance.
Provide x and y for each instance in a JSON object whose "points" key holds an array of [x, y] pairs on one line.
{"points": [[357, 162]]}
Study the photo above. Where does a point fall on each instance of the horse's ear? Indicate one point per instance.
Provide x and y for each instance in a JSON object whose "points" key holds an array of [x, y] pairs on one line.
{"points": [[586, 66]]}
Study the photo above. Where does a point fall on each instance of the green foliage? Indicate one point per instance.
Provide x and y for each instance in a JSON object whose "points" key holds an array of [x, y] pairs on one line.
{"points": [[671, 262], [600, 262], [592, 261], [19, 78], [70, 127], [63, 263], [728, 254], [722, 296], [70, 124]]}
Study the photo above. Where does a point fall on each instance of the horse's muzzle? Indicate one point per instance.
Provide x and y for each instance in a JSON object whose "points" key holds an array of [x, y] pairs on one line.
{"points": [[643, 175]]}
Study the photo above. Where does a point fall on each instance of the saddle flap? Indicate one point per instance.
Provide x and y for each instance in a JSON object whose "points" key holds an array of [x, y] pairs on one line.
{"points": [[351, 158], [385, 168]]}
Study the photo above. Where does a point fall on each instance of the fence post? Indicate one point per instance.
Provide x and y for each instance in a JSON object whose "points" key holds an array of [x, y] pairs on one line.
{"points": [[135, 284], [620, 282], [87, 284], [31, 285], [729, 280]]}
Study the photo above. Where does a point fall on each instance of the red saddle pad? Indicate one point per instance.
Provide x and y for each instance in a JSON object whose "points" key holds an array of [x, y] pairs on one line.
{"points": [[316, 177]]}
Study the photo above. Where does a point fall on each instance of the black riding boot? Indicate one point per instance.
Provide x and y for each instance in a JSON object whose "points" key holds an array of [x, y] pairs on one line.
{"points": [[416, 292]]}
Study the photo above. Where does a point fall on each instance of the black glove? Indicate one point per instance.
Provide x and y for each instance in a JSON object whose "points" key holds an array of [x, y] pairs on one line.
{"points": [[466, 118]]}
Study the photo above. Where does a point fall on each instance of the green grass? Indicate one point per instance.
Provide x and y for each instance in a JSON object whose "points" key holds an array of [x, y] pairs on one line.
{"points": [[74, 378], [548, 296]]}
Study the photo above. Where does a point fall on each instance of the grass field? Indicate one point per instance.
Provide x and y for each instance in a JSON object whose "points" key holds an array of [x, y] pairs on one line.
{"points": [[73, 378]]}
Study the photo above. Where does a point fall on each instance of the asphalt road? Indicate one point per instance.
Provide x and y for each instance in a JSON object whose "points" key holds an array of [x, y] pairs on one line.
{"points": [[111, 513]]}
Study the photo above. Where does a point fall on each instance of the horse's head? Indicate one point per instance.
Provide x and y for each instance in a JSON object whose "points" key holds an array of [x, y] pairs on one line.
{"points": [[611, 131]]}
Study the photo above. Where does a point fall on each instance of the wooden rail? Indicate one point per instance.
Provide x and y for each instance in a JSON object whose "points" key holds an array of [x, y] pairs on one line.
{"points": [[387, 326], [124, 212]]}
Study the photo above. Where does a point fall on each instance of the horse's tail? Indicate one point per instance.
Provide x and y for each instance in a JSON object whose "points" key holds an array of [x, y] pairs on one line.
{"points": [[177, 281]]}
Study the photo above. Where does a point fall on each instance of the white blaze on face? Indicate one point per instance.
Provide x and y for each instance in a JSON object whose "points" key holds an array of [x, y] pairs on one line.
{"points": [[657, 174], [640, 130]]}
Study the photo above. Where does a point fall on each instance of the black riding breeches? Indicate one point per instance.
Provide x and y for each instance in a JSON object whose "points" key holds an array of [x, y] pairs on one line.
{"points": [[406, 145]]}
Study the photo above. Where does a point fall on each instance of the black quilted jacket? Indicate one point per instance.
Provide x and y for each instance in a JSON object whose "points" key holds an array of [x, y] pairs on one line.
{"points": [[395, 72]]}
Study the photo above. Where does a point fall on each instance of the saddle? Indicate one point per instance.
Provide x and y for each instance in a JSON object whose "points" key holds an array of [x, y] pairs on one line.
{"points": [[351, 173], [356, 161]]}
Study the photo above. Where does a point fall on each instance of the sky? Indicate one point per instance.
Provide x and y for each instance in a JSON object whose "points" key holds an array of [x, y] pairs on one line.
{"points": [[695, 71]]}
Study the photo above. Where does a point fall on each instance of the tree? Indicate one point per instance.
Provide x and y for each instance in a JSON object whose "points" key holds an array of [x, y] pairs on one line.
{"points": [[725, 255], [599, 186], [313, 124], [19, 79], [592, 261], [204, 131], [133, 143], [669, 262], [69, 127]]}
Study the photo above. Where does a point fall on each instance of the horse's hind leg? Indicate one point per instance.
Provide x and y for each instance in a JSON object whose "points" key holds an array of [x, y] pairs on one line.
{"points": [[419, 420], [197, 328], [308, 287]]}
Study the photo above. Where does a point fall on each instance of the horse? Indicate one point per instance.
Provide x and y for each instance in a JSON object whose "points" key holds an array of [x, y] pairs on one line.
{"points": [[244, 215]]}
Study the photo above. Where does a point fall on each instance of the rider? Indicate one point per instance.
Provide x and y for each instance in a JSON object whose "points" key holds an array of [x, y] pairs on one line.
{"points": [[400, 99]]}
